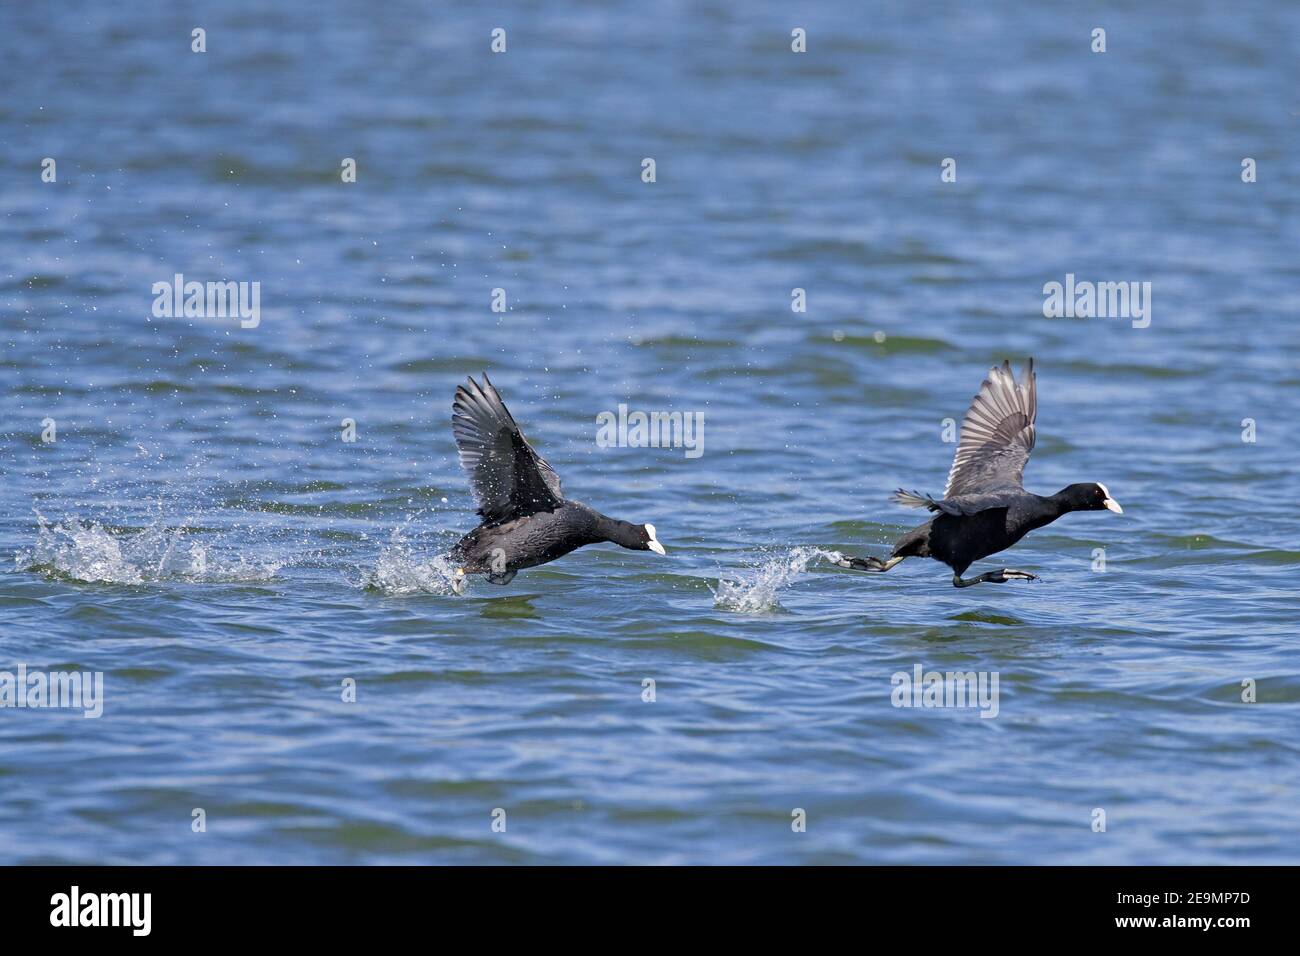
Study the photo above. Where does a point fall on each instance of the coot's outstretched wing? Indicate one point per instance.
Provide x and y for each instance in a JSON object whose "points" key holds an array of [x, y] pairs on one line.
{"points": [[507, 477], [997, 435]]}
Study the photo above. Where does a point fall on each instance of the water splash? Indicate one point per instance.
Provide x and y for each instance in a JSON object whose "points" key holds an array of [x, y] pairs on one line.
{"points": [[404, 568], [756, 592], [73, 550]]}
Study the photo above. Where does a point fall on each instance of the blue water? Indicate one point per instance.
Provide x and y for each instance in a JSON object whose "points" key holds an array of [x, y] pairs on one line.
{"points": [[199, 532]]}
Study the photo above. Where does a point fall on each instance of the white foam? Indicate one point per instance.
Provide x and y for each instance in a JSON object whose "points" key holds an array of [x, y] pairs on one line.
{"points": [[400, 569], [757, 591], [89, 552]]}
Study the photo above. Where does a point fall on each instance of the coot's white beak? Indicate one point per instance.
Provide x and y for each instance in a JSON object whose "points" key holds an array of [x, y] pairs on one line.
{"points": [[652, 544], [1109, 502], [458, 581]]}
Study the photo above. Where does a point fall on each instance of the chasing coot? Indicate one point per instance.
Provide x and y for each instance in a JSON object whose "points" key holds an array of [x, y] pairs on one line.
{"points": [[527, 521]]}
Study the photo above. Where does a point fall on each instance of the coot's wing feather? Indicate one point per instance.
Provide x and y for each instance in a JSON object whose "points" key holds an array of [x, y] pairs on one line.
{"points": [[507, 477], [997, 435]]}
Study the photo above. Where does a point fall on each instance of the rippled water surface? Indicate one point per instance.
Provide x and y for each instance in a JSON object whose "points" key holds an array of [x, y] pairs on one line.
{"points": [[200, 533]]}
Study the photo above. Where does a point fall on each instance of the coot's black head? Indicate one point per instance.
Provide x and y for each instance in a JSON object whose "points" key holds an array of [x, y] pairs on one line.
{"points": [[1091, 496], [637, 537], [645, 540]]}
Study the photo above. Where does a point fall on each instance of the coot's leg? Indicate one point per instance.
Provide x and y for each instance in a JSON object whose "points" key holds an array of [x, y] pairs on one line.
{"points": [[1012, 573], [869, 563], [505, 577], [1000, 576]]}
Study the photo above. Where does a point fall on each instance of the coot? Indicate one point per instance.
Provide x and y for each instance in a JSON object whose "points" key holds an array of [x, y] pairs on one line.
{"points": [[527, 521], [985, 508]]}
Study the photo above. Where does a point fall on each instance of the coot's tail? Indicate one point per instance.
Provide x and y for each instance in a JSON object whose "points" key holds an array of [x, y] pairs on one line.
{"points": [[913, 499]]}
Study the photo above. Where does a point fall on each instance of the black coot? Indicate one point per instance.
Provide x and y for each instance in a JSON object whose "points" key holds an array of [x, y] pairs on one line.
{"points": [[985, 508], [526, 519]]}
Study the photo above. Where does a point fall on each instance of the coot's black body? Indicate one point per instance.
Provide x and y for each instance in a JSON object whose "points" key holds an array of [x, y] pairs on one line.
{"points": [[959, 540], [503, 548], [985, 508], [527, 521]]}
